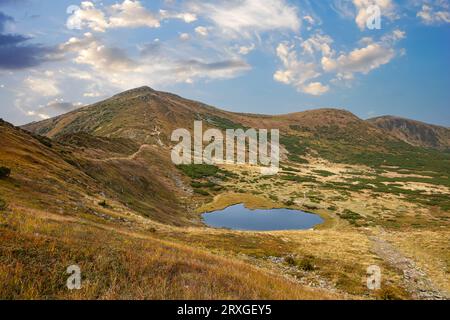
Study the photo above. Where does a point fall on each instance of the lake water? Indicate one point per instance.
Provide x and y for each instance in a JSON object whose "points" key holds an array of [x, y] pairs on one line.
{"points": [[238, 217]]}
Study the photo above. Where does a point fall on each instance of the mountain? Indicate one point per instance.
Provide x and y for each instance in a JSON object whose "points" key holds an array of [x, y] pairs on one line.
{"points": [[148, 117], [97, 187], [414, 132]]}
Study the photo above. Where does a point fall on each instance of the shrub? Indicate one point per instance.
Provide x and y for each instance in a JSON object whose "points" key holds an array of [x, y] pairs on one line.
{"points": [[390, 293], [290, 261], [201, 192], [197, 171], [289, 203], [103, 204], [307, 264], [4, 172], [324, 173]]}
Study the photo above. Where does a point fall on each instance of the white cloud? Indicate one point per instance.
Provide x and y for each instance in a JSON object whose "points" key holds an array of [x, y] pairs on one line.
{"points": [[318, 43], [315, 88], [203, 31], [309, 19], [361, 60], [248, 17], [185, 36], [317, 58], [88, 16], [296, 72], [128, 14], [132, 14], [185, 16], [43, 85], [365, 59], [156, 65], [92, 52], [244, 50], [438, 13]]}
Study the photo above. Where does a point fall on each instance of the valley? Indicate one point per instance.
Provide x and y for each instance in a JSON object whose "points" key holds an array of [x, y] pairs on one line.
{"points": [[96, 187]]}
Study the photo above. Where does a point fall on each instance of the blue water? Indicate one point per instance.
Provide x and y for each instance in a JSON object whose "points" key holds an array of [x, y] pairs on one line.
{"points": [[238, 217]]}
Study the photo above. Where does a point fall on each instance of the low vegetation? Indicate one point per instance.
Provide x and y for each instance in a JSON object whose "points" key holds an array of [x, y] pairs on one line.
{"points": [[4, 172]]}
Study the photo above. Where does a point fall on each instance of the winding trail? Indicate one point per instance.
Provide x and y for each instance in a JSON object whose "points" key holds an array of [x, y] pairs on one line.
{"points": [[416, 280], [130, 157]]}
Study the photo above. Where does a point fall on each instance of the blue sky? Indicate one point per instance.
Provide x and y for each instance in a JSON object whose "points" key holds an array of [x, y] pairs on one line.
{"points": [[257, 56]]}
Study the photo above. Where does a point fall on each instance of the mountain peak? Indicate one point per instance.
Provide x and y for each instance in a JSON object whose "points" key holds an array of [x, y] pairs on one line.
{"points": [[136, 91]]}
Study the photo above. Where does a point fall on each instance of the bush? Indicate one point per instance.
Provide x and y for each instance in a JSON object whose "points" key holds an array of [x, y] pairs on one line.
{"points": [[290, 261], [307, 264], [289, 203], [103, 204], [4, 172], [201, 192], [198, 171]]}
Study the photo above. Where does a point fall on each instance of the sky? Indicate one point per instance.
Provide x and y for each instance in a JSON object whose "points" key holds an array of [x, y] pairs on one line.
{"points": [[255, 56]]}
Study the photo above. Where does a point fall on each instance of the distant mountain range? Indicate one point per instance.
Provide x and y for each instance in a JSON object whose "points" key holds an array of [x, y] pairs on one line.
{"points": [[145, 116], [414, 132]]}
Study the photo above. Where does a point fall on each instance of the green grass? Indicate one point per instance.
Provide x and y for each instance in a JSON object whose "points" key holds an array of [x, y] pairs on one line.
{"points": [[299, 179], [350, 216], [223, 123], [196, 184], [201, 192], [324, 173], [197, 171]]}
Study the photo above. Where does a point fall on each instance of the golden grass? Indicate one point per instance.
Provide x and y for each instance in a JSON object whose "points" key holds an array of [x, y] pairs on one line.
{"points": [[123, 264], [430, 250]]}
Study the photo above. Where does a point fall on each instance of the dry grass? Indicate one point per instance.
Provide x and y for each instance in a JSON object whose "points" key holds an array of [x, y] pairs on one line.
{"points": [[430, 250], [122, 264]]}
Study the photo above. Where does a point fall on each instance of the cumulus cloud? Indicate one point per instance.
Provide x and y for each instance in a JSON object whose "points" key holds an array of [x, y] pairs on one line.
{"points": [[363, 60], [248, 17], [128, 14], [45, 85], [184, 36], [315, 88], [434, 13], [132, 14], [296, 72], [92, 52], [317, 59], [317, 43], [203, 31], [156, 64]]}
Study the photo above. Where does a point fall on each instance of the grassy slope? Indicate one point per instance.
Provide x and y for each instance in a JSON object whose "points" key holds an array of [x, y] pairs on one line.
{"points": [[366, 183], [50, 223]]}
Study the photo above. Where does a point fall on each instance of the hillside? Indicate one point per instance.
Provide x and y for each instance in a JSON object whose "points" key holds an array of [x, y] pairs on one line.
{"points": [[414, 132], [97, 187]]}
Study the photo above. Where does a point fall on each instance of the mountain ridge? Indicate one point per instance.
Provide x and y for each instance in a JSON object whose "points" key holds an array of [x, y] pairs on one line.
{"points": [[414, 132]]}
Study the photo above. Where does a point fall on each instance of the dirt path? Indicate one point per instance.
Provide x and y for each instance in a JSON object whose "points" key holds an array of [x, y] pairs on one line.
{"points": [[130, 157], [416, 280]]}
